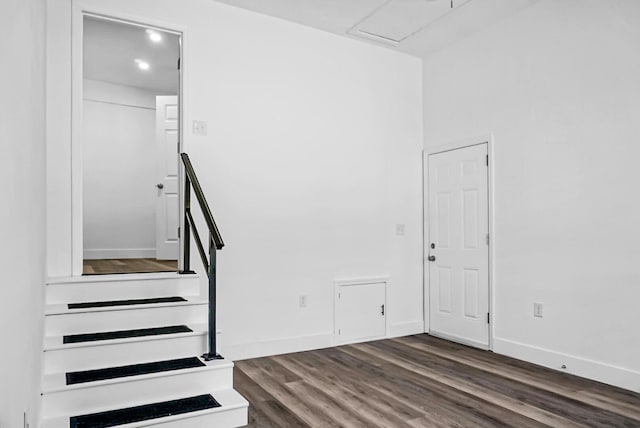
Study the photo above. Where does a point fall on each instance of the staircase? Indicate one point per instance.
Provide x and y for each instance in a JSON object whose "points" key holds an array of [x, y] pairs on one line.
{"points": [[140, 350], [124, 350]]}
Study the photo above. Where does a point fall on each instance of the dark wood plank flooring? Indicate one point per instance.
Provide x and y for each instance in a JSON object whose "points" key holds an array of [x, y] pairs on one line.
{"points": [[422, 381], [114, 266]]}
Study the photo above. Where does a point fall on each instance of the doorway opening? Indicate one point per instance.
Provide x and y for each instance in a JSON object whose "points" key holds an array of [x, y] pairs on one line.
{"points": [[130, 147], [457, 244]]}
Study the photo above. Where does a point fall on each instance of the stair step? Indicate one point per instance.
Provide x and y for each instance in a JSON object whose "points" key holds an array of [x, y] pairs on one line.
{"points": [[120, 287], [150, 382], [125, 334], [110, 303], [118, 277], [60, 320], [143, 413], [64, 357], [232, 412], [73, 378]]}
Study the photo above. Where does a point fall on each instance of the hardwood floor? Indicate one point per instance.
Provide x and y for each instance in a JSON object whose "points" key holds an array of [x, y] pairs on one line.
{"points": [[422, 381], [111, 266]]}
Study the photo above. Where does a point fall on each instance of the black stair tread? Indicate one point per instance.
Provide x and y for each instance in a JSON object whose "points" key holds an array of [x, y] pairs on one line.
{"points": [[123, 334], [143, 413], [132, 370], [86, 305]]}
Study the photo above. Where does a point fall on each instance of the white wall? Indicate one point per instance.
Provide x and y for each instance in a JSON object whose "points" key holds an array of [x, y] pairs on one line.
{"points": [[313, 155], [557, 86], [22, 217], [120, 171]]}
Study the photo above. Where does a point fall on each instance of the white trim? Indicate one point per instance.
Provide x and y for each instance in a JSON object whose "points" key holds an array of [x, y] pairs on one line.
{"points": [[426, 302], [79, 9], [130, 20], [454, 145], [154, 276], [120, 253], [58, 133], [77, 95], [590, 369], [116, 15], [458, 339], [55, 382], [361, 280], [63, 308], [405, 328], [56, 342], [461, 144], [286, 345]]}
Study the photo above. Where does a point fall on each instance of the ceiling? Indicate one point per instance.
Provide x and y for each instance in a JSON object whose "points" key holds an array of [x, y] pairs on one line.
{"points": [[112, 48], [416, 27]]}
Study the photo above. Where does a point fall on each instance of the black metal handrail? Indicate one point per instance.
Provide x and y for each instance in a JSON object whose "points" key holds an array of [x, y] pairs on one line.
{"points": [[215, 243]]}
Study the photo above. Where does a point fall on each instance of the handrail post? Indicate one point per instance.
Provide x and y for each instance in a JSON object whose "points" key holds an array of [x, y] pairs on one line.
{"points": [[213, 349], [186, 239], [215, 243]]}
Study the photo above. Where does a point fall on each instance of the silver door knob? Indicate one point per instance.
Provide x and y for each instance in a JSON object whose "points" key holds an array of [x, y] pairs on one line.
{"points": [[160, 186], [432, 258]]}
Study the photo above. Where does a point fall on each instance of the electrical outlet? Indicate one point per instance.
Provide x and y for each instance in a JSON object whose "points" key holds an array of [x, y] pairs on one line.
{"points": [[537, 310], [400, 229], [302, 300]]}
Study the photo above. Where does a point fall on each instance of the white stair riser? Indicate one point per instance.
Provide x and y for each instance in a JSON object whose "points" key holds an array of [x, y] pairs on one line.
{"points": [[120, 290], [133, 392], [228, 418], [231, 418], [122, 354], [130, 319]]}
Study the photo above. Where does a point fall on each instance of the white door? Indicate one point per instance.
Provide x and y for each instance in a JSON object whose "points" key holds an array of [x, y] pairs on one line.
{"points": [[458, 247], [167, 205], [361, 311]]}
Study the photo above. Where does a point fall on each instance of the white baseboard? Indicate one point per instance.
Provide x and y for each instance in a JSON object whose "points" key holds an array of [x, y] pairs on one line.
{"points": [[244, 351], [120, 253], [458, 339], [602, 372], [406, 329]]}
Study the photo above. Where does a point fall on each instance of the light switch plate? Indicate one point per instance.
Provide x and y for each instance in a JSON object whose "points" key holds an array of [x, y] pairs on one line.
{"points": [[537, 310], [200, 128]]}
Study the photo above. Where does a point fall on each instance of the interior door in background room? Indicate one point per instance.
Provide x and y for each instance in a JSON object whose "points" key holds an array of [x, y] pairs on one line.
{"points": [[167, 206], [458, 247]]}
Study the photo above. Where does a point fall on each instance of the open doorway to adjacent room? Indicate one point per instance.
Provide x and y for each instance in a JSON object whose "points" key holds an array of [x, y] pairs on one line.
{"points": [[130, 147]]}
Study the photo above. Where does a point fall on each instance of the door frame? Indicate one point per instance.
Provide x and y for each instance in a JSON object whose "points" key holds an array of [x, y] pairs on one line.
{"points": [[80, 9], [454, 145]]}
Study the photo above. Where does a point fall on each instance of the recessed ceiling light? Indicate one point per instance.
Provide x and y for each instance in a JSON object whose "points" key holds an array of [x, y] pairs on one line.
{"points": [[143, 65], [154, 36]]}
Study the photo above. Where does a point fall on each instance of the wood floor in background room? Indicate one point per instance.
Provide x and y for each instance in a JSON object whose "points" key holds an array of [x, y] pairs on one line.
{"points": [[112, 266], [421, 381]]}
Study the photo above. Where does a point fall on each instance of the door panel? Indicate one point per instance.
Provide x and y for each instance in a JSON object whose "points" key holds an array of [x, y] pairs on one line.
{"points": [[172, 217], [167, 206], [471, 286], [444, 289], [458, 226], [170, 145]]}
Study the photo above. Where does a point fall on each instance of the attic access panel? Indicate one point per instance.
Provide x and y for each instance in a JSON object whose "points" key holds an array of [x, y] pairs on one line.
{"points": [[398, 19]]}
